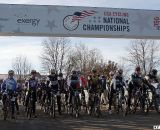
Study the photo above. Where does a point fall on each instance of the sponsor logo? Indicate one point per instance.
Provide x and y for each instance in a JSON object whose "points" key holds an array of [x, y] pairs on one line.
{"points": [[156, 22], [28, 21], [71, 22]]}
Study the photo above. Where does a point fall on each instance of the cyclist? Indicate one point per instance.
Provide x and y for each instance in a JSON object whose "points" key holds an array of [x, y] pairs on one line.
{"points": [[103, 83], [74, 85], [94, 86], [117, 82], [63, 88], [44, 90], [135, 82], [9, 87], [32, 85], [52, 82], [152, 78], [61, 82]]}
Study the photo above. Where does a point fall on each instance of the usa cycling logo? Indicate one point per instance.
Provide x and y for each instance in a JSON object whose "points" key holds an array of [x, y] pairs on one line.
{"points": [[71, 22]]}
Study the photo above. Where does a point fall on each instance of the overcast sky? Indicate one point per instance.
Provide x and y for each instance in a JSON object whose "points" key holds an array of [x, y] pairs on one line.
{"points": [[11, 47]]}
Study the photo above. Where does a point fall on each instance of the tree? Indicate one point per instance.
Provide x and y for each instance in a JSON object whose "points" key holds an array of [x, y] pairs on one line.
{"points": [[83, 59], [54, 53], [144, 53], [21, 66]]}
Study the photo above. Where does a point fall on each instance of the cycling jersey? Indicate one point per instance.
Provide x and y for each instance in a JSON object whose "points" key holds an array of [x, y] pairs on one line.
{"points": [[74, 82], [32, 84], [95, 82], [118, 81], [153, 78], [135, 78], [9, 84], [52, 82]]}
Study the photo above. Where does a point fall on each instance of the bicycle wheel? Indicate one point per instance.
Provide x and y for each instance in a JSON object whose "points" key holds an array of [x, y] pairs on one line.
{"points": [[135, 102], [97, 109], [5, 112], [117, 107], [29, 110], [157, 104], [145, 107], [53, 107], [124, 106]]}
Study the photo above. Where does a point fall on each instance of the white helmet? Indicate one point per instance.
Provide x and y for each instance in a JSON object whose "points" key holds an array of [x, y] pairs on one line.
{"points": [[111, 73]]}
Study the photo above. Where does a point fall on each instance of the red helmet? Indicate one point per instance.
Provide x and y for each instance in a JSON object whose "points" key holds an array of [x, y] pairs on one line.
{"points": [[138, 68]]}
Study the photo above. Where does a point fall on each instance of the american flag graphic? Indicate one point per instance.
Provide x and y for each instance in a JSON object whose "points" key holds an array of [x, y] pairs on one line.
{"points": [[82, 15]]}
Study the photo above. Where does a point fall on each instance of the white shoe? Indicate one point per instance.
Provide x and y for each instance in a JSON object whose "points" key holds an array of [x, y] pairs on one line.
{"points": [[110, 112]]}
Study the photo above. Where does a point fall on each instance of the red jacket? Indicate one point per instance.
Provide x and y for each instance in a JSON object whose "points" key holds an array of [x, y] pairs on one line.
{"points": [[83, 81]]}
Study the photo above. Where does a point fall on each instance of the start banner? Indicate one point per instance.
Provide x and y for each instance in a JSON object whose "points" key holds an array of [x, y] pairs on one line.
{"points": [[72, 21]]}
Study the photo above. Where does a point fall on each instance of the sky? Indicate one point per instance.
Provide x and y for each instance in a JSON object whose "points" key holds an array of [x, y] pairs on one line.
{"points": [[11, 46]]}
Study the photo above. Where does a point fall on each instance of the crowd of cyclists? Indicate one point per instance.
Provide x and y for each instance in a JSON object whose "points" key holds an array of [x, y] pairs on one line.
{"points": [[79, 93]]}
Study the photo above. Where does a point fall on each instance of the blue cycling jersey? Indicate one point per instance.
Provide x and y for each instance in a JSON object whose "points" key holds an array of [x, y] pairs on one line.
{"points": [[9, 84]]}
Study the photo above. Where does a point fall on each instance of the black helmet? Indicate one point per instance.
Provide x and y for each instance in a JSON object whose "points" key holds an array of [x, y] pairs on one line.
{"points": [[60, 74], [10, 72], [74, 72], [33, 72], [78, 72], [154, 71], [120, 71], [52, 71], [94, 70]]}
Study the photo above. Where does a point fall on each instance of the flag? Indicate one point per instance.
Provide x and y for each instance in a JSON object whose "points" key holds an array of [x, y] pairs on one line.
{"points": [[81, 15]]}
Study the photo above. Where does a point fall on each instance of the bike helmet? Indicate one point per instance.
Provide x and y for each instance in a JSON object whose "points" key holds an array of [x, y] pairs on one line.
{"points": [[111, 73], [138, 68], [94, 70], [10, 72], [33, 72], [154, 71], [120, 71], [74, 72], [78, 72], [60, 74], [52, 71]]}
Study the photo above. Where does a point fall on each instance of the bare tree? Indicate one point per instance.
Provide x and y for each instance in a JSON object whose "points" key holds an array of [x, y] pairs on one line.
{"points": [[83, 59], [21, 66], [54, 53], [144, 53]]}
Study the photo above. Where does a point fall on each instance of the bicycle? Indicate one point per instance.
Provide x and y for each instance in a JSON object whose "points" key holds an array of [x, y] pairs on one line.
{"points": [[120, 103], [156, 97], [7, 108], [30, 105], [139, 99], [54, 95], [75, 103], [95, 104]]}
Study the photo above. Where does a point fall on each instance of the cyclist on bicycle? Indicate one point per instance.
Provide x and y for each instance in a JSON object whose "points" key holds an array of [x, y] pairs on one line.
{"points": [[9, 87], [52, 82], [44, 90], [63, 86], [32, 85], [74, 85], [94, 86], [61, 82], [135, 82], [104, 86], [117, 82], [152, 78]]}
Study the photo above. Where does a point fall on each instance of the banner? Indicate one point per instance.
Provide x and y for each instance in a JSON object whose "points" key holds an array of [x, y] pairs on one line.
{"points": [[72, 21]]}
